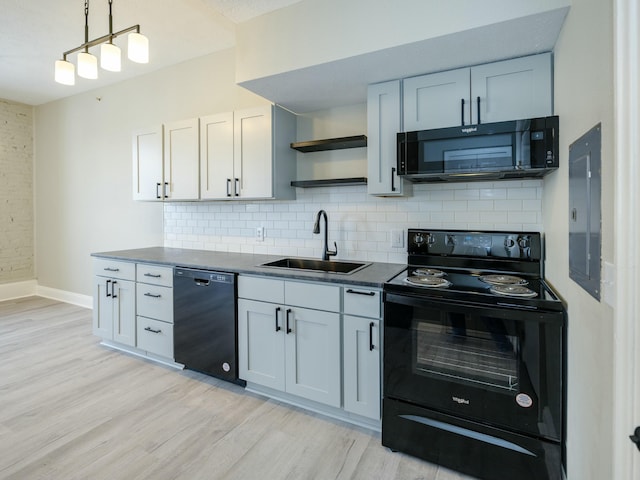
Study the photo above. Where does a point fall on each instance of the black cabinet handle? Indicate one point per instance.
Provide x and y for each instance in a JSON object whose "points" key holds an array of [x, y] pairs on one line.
{"points": [[635, 438], [149, 329], [288, 328], [478, 110], [371, 345], [165, 189], [393, 172], [152, 295], [368, 294], [152, 275], [277, 326], [237, 187], [107, 288], [113, 289], [109, 269], [462, 110], [228, 187], [158, 190]]}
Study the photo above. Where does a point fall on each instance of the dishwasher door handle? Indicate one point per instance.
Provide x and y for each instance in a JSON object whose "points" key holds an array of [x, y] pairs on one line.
{"points": [[201, 282]]}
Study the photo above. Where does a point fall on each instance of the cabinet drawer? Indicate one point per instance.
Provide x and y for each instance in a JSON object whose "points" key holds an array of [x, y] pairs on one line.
{"points": [[106, 267], [155, 337], [154, 274], [259, 288], [156, 302], [312, 295], [363, 302]]}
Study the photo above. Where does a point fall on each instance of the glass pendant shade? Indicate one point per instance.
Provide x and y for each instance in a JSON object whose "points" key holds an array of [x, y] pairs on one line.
{"points": [[138, 48], [65, 72], [87, 65], [110, 57]]}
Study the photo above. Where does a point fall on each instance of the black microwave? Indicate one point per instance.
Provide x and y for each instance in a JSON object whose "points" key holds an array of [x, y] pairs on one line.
{"points": [[488, 151]]}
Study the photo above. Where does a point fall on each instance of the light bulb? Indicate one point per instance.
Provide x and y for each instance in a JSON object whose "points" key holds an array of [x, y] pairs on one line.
{"points": [[65, 72], [87, 66], [138, 48], [110, 57]]}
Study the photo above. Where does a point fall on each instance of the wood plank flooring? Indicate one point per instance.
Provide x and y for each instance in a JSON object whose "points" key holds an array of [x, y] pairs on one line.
{"points": [[73, 409]]}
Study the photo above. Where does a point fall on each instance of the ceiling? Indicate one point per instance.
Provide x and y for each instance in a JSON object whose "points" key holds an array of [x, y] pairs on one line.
{"points": [[34, 33]]}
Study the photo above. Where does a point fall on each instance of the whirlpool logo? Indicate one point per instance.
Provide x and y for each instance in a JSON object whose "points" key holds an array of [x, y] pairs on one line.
{"points": [[461, 401], [470, 130]]}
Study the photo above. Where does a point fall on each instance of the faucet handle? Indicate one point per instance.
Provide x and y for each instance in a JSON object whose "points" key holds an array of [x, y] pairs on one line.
{"points": [[331, 253]]}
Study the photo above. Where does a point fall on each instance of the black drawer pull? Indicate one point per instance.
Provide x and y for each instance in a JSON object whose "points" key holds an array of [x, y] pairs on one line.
{"points": [[109, 269], [152, 295], [371, 345], [288, 328], [108, 284], [277, 326], [149, 329], [152, 275], [368, 294], [113, 289]]}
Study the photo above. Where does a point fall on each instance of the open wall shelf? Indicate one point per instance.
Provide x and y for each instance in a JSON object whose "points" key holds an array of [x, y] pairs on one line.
{"points": [[356, 141]]}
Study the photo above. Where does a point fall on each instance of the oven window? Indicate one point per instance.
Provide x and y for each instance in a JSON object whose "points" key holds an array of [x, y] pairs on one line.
{"points": [[461, 351]]}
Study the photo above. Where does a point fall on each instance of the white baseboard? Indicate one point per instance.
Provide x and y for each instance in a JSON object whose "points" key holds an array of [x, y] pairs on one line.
{"points": [[64, 296], [9, 291]]}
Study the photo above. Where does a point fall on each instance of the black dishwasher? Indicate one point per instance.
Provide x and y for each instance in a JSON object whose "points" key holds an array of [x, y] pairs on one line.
{"points": [[204, 316]]}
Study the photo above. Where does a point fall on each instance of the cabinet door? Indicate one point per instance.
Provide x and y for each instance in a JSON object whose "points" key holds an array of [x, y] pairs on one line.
{"points": [[124, 312], [384, 121], [513, 89], [312, 355], [436, 100], [147, 164], [216, 156], [253, 154], [181, 160], [102, 308], [362, 366], [261, 343]]}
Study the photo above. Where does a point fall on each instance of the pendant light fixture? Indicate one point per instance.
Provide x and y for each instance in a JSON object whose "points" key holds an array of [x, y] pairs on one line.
{"points": [[110, 56]]}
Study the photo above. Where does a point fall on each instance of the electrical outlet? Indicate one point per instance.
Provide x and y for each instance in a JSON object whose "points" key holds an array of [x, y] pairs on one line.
{"points": [[397, 239], [260, 234]]}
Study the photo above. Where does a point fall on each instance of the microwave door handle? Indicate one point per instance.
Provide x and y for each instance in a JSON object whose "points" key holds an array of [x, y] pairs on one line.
{"points": [[478, 110], [462, 110]]}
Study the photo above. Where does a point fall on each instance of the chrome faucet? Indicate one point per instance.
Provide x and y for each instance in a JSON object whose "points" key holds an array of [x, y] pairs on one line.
{"points": [[326, 253]]}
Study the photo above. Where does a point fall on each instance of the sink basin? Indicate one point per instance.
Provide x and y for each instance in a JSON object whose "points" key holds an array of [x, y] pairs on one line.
{"points": [[326, 266]]}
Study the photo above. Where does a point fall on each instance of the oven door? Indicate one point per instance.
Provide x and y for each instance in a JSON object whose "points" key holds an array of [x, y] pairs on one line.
{"points": [[500, 366]]}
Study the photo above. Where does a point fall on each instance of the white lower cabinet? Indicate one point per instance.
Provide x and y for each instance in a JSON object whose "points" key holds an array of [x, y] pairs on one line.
{"points": [[314, 341], [155, 336], [154, 307], [291, 349], [361, 350], [114, 307], [361, 337]]}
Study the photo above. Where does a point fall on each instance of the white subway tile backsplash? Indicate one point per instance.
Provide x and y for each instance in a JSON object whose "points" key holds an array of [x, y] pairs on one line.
{"points": [[360, 224]]}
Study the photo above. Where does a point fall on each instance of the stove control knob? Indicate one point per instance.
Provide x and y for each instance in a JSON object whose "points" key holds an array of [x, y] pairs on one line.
{"points": [[418, 239], [509, 242]]}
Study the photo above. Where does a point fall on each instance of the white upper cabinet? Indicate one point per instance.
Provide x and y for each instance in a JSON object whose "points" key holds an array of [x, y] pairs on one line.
{"points": [[384, 121], [181, 160], [147, 164], [513, 89], [165, 162], [253, 153], [507, 90], [216, 156], [245, 154], [437, 100]]}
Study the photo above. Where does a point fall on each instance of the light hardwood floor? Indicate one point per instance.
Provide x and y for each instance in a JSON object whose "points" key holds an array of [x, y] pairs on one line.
{"points": [[73, 409]]}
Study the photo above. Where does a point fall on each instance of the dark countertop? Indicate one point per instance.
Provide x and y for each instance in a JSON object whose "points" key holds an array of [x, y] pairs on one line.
{"points": [[247, 263]]}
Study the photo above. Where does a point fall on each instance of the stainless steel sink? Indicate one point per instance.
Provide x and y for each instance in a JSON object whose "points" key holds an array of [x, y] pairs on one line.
{"points": [[326, 266]]}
